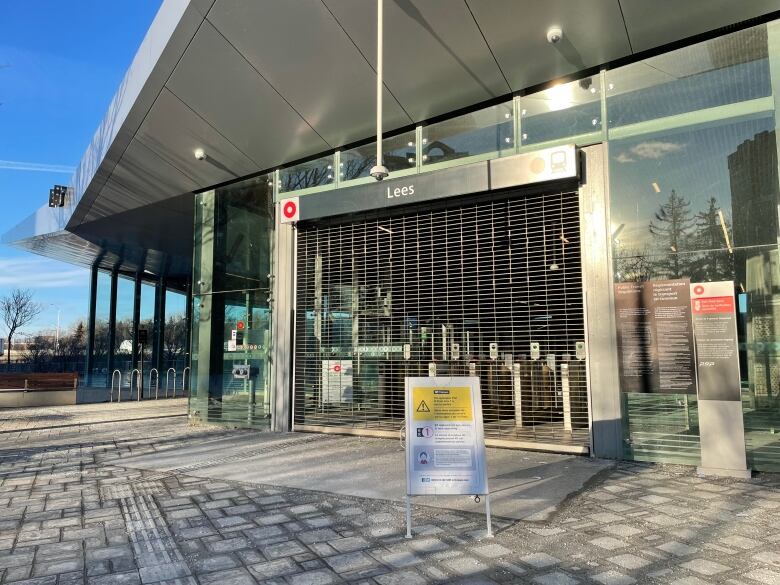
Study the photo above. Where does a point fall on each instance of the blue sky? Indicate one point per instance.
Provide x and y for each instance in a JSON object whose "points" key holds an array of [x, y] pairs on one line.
{"points": [[60, 64]]}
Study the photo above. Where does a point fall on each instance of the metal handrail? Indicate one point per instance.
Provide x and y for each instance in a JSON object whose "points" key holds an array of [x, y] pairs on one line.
{"points": [[168, 381], [119, 391], [157, 382], [184, 379], [136, 374]]}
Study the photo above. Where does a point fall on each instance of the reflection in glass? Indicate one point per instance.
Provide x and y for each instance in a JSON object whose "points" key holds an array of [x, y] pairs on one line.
{"points": [[398, 153], [315, 173], [567, 109], [725, 70], [487, 131], [698, 188], [231, 310], [147, 320], [174, 349], [123, 332], [100, 349]]}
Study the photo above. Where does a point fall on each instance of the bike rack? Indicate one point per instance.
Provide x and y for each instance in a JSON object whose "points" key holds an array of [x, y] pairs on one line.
{"points": [[184, 380], [156, 382], [136, 375], [119, 390], [168, 381]]}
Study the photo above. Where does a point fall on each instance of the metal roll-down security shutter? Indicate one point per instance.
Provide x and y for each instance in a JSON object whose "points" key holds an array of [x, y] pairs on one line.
{"points": [[491, 288]]}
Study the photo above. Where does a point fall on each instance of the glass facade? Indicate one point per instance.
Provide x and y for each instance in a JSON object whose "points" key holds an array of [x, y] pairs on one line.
{"points": [[231, 336], [100, 344], [485, 133], [691, 145], [694, 195]]}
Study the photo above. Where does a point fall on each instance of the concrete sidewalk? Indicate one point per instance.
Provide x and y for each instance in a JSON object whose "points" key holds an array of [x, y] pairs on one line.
{"points": [[16, 420], [523, 485]]}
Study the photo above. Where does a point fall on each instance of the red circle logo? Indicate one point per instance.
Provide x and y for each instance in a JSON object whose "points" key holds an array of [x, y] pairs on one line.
{"points": [[698, 289], [240, 324], [336, 369], [290, 209]]}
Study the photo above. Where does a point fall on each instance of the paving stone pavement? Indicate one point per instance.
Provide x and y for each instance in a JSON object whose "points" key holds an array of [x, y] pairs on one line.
{"points": [[71, 514]]}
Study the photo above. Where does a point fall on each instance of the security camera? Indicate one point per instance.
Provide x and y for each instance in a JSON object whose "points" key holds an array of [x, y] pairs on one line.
{"points": [[379, 172], [200, 154], [554, 35]]}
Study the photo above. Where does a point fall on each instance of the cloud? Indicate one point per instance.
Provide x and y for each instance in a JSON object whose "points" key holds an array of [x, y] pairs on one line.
{"points": [[650, 150], [13, 165], [38, 273]]}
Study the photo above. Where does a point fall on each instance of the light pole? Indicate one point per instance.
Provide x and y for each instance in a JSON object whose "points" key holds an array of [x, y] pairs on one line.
{"points": [[57, 333]]}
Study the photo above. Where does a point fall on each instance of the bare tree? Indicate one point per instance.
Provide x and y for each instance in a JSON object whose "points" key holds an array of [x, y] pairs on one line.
{"points": [[17, 309]]}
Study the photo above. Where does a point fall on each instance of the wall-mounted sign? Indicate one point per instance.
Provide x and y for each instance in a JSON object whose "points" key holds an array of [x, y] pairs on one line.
{"points": [[715, 330], [290, 210], [549, 164], [655, 336], [241, 372], [336, 381]]}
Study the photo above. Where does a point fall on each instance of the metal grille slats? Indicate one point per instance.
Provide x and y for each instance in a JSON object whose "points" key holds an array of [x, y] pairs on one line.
{"points": [[466, 287]]}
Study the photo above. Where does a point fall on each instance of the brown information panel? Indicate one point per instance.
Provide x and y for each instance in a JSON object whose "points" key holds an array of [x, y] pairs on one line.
{"points": [[717, 354], [655, 336]]}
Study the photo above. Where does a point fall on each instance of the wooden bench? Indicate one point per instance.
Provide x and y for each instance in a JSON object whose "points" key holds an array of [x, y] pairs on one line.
{"points": [[39, 381]]}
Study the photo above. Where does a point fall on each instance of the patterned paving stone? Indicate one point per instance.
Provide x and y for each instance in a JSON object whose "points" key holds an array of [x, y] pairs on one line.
{"points": [[72, 514]]}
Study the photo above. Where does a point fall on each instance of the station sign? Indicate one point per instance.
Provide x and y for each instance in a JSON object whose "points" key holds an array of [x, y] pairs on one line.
{"points": [[290, 210]]}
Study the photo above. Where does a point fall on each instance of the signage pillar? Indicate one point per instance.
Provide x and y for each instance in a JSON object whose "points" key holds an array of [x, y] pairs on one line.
{"points": [[721, 426]]}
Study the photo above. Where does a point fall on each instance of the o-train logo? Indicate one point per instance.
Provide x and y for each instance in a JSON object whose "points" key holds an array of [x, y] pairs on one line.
{"points": [[290, 210]]}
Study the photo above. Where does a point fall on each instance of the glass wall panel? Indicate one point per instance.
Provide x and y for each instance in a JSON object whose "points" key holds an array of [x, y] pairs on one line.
{"points": [[488, 132], [565, 110], [231, 311], [123, 336], [398, 153], [100, 349], [700, 202], [175, 343], [725, 70], [696, 188], [147, 321], [315, 173]]}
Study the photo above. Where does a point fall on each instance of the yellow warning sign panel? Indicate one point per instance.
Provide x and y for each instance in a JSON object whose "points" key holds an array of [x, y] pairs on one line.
{"points": [[442, 404]]}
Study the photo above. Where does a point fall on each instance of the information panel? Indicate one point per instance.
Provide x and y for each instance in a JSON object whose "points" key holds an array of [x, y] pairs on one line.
{"points": [[715, 328], [445, 445], [655, 336]]}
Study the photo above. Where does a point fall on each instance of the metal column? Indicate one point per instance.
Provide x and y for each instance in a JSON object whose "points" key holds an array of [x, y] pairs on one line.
{"points": [[136, 322], [606, 421], [90, 358], [160, 290], [112, 322]]}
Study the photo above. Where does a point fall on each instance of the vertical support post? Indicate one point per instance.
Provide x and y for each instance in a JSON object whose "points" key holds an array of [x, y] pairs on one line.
{"points": [[566, 395], [112, 323], [488, 516], [90, 357], [188, 325], [136, 323], [408, 516], [601, 340], [160, 291]]}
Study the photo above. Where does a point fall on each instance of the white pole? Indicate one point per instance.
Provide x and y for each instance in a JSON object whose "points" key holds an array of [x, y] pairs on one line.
{"points": [[378, 171], [487, 513], [408, 516], [379, 79]]}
